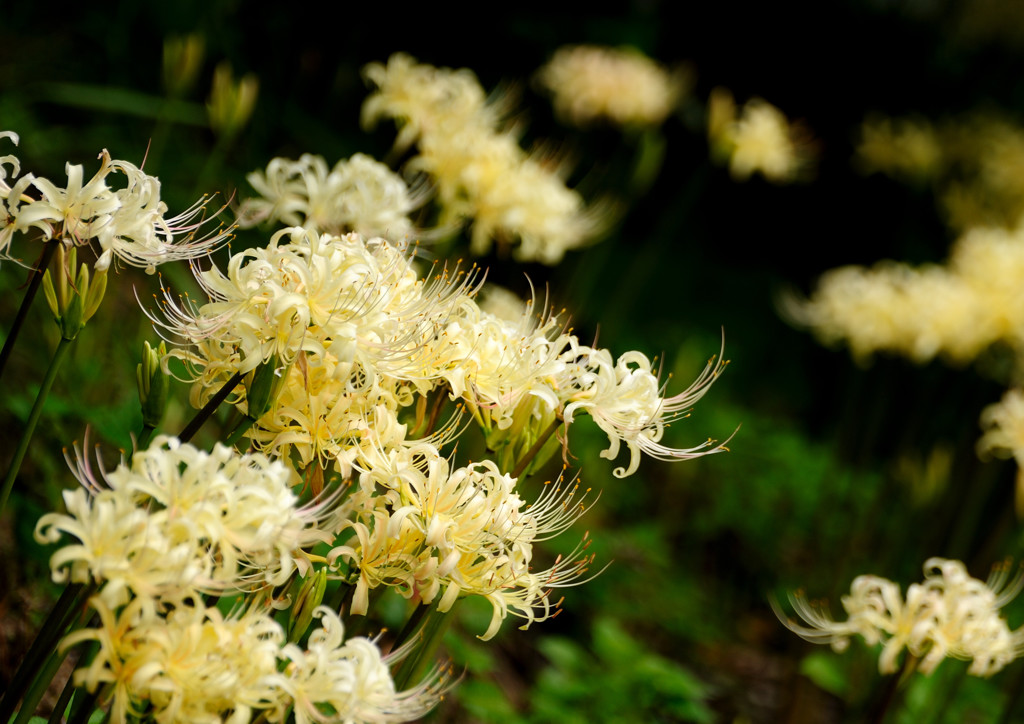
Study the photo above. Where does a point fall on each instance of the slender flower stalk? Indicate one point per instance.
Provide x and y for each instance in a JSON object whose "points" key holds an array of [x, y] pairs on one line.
{"points": [[26, 302], [209, 408], [429, 626], [63, 347], [60, 616]]}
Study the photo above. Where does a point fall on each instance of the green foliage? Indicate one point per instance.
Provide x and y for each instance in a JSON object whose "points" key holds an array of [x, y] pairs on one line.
{"points": [[618, 680]]}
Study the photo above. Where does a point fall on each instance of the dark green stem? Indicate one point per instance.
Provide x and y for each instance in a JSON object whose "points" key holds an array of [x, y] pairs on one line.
{"points": [[37, 409], [895, 683], [239, 432], [83, 707], [1016, 689], [341, 597], [145, 436], [39, 686], [535, 448], [49, 635], [57, 715], [430, 624], [26, 302], [412, 625], [208, 409]]}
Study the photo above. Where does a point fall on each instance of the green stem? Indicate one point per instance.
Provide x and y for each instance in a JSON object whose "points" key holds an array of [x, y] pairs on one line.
{"points": [[68, 695], [239, 432], [57, 715], [341, 597], [412, 625], [46, 641], [1015, 692], [535, 448], [214, 162], [39, 687], [84, 706], [26, 302], [37, 409], [431, 625], [895, 683], [145, 436], [208, 409]]}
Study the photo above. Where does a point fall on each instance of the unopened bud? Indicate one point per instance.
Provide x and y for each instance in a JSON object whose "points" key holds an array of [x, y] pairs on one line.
{"points": [[231, 104], [183, 57], [310, 596], [73, 303], [153, 384], [263, 385]]}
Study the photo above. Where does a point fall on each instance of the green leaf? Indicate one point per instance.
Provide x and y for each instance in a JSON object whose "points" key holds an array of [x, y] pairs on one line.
{"points": [[827, 671]]}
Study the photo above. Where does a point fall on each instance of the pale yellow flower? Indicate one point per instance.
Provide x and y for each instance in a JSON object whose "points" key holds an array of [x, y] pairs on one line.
{"points": [[429, 530], [337, 680], [358, 194], [11, 197], [759, 140], [908, 148], [128, 223], [192, 664], [513, 199], [1003, 423], [621, 84], [179, 521], [949, 614], [956, 310], [424, 99]]}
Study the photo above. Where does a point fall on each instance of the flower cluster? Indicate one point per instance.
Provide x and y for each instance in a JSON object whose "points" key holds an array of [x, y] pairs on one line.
{"points": [[904, 148], [178, 525], [353, 336], [127, 223], [974, 163], [757, 140], [948, 614], [193, 663], [480, 170], [1004, 427], [358, 194], [179, 522], [957, 310], [623, 85], [429, 530]]}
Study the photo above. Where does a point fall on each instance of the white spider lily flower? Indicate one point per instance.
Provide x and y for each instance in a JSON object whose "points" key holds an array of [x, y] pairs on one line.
{"points": [[306, 291], [623, 85], [627, 402], [949, 614], [481, 172], [338, 680], [12, 196], [128, 223], [358, 194], [188, 664], [78, 210], [191, 663], [431, 531], [179, 520]]}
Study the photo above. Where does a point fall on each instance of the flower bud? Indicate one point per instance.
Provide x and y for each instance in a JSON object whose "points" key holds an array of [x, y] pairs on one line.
{"points": [[310, 596], [231, 104], [73, 303], [263, 385], [153, 384], [183, 58]]}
